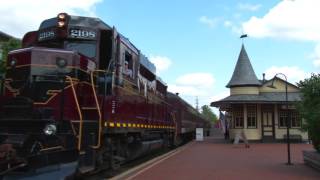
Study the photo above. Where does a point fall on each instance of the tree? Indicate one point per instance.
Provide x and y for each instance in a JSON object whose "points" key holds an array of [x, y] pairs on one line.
{"points": [[8, 46], [208, 114], [309, 108]]}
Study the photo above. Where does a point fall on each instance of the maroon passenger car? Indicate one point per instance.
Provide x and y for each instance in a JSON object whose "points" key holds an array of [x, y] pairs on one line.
{"points": [[79, 93], [187, 119]]}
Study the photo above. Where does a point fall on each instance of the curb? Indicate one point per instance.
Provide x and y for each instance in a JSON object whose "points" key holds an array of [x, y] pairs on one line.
{"points": [[133, 172]]}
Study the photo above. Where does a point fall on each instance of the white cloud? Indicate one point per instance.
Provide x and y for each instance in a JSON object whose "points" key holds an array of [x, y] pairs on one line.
{"points": [[292, 20], [293, 73], [197, 85], [211, 22], [162, 63], [227, 23], [186, 90], [234, 28], [193, 84], [288, 19], [316, 56], [220, 95], [316, 62], [249, 7], [20, 16], [196, 79]]}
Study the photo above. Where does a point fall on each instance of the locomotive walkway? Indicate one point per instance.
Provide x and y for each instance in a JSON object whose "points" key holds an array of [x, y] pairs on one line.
{"points": [[215, 159]]}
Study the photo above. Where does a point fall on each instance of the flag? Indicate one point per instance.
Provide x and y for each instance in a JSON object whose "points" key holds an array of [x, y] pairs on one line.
{"points": [[222, 119], [244, 36]]}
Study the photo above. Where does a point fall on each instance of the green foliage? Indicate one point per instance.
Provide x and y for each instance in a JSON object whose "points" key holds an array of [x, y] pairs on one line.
{"points": [[309, 107], [6, 48], [208, 113]]}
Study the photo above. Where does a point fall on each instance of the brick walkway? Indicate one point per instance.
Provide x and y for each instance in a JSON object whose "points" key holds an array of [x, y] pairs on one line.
{"points": [[213, 159]]}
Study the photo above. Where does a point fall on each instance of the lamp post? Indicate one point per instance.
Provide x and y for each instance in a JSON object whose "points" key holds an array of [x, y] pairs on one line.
{"points": [[287, 115]]}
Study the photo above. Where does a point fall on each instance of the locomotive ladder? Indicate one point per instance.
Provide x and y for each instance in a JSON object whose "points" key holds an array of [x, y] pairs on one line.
{"points": [[97, 106], [175, 126], [79, 112]]}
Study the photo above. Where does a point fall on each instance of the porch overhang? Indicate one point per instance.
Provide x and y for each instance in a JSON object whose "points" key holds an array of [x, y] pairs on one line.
{"points": [[262, 98]]}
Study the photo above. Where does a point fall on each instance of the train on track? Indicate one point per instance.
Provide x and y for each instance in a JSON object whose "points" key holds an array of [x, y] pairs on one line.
{"points": [[79, 96]]}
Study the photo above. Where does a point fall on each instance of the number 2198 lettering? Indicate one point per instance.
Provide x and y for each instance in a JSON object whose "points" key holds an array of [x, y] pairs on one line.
{"points": [[82, 33]]}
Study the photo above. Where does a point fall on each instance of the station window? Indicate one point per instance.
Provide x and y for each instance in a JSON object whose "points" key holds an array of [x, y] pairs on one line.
{"points": [[238, 116], [252, 116], [295, 120], [282, 118]]}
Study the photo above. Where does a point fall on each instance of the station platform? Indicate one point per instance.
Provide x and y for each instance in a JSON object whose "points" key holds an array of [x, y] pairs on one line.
{"points": [[214, 158]]}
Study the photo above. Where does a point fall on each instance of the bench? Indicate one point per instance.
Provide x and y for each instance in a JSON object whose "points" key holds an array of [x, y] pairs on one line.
{"points": [[293, 137]]}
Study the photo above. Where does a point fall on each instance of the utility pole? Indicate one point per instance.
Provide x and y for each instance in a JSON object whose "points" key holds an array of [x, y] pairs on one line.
{"points": [[197, 104]]}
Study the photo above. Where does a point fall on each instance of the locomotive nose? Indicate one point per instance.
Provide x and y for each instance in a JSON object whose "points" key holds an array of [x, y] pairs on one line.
{"points": [[31, 72]]}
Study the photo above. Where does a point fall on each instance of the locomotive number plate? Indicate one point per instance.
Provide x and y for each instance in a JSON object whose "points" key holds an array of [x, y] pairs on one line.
{"points": [[46, 35], [82, 34]]}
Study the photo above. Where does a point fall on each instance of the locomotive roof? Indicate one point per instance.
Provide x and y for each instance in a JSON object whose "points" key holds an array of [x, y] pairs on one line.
{"points": [[148, 64], [161, 81], [96, 23], [78, 21], [173, 95], [190, 108]]}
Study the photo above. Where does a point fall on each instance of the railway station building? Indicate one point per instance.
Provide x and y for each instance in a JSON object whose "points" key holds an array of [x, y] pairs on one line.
{"points": [[259, 107]]}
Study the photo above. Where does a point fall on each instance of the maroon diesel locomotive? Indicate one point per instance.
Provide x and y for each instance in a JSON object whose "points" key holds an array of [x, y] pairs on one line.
{"points": [[81, 94]]}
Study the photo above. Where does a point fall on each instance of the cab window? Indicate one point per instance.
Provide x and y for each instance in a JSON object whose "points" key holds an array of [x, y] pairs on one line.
{"points": [[128, 65], [87, 48]]}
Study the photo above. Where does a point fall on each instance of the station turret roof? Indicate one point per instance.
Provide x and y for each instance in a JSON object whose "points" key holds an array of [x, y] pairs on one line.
{"points": [[243, 74]]}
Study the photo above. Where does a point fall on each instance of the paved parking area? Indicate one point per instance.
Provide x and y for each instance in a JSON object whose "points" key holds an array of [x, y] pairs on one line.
{"points": [[213, 159]]}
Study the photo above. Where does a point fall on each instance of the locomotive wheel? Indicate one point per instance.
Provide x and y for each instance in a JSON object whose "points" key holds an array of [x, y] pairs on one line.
{"points": [[106, 155]]}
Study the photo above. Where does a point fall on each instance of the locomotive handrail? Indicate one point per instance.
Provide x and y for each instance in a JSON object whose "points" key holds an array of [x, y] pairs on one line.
{"points": [[79, 112], [98, 107], [6, 83], [175, 126], [9, 168]]}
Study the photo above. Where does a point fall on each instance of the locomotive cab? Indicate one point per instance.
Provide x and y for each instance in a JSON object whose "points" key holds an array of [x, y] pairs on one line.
{"points": [[63, 46]]}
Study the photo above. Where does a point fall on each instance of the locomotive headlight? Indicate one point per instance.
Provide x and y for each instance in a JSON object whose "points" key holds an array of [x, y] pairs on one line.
{"points": [[61, 63], [61, 23], [61, 16], [13, 62], [50, 129]]}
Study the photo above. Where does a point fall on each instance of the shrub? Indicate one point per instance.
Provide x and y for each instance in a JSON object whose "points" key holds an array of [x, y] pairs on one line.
{"points": [[309, 107]]}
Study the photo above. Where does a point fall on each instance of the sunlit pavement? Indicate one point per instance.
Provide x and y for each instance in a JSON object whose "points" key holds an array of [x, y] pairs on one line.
{"points": [[215, 159]]}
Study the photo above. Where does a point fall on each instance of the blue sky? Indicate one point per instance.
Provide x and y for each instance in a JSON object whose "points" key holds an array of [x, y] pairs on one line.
{"points": [[195, 44]]}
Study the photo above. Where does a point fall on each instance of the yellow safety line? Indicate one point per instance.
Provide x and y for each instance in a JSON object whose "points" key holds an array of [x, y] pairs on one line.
{"points": [[79, 112]]}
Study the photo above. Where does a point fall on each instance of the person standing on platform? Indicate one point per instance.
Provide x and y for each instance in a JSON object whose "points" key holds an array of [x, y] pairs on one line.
{"points": [[241, 135]]}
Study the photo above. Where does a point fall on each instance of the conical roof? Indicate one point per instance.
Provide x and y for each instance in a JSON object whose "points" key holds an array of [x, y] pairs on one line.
{"points": [[243, 74]]}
